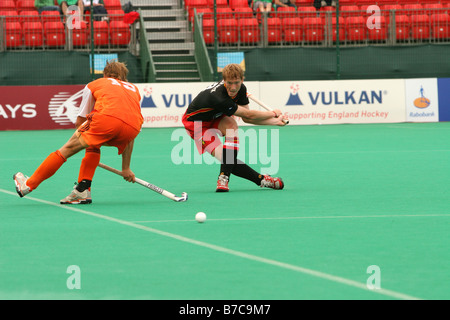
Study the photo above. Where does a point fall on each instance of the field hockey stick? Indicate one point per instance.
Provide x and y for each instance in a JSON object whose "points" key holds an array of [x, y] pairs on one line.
{"points": [[165, 193], [262, 104]]}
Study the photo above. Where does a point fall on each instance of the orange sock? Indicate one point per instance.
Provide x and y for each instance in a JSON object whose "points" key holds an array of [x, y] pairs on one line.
{"points": [[47, 168], [89, 164]]}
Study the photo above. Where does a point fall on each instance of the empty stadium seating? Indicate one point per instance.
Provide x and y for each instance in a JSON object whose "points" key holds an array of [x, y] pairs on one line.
{"points": [[292, 30], [355, 28], [249, 30], [33, 34], [101, 33], [208, 31], [119, 33], [274, 30], [314, 29], [227, 31], [13, 33], [54, 33]]}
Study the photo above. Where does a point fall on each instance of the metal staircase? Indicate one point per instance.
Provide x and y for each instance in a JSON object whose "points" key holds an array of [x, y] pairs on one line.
{"points": [[170, 40]]}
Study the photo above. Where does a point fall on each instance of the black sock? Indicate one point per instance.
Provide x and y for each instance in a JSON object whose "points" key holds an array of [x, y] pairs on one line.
{"points": [[244, 171], [83, 185], [229, 155]]}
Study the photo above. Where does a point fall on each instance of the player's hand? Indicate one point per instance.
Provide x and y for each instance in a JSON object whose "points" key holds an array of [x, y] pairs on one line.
{"points": [[277, 113], [128, 175], [282, 121]]}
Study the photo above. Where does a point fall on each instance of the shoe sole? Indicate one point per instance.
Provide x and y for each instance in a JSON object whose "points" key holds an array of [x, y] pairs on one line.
{"points": [[87, 201], [17, 186], [222, 190]]}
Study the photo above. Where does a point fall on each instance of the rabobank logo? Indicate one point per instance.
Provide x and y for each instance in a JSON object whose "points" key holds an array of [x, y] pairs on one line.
{"points": [[64, 106], [422, 102]]}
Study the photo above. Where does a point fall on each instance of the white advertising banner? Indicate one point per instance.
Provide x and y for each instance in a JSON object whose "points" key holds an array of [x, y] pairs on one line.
{"points": [[339, 101], [303, 102], [422, 103]]}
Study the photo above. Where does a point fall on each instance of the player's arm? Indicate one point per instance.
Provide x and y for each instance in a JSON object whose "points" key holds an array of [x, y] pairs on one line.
{"points": [[270, 118], [127, 174], [86, 106]]}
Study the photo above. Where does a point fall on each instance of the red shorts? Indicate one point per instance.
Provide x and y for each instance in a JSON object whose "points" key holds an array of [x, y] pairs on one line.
{"points": [[102, 130], [205, 133]]}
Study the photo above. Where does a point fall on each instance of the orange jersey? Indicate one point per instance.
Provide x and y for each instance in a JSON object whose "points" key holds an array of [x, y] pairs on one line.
{"points": [[119, 99]]}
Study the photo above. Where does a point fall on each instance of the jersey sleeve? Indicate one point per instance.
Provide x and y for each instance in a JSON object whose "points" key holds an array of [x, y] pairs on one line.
{"points": [[87, 103], [242, 96]]}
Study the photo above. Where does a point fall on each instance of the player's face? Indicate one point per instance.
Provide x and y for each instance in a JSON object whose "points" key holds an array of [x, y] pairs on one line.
{"points": [[233, 86]]}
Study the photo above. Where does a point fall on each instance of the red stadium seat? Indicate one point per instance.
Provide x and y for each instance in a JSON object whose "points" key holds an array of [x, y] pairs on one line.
{"points": [[54, 33], [208, 31], [112, 5], [8, 5], [13, 33], [306, 12], [440, 27], [116, 15], [249, 30], [25, 5], [227, 31], [224, 13], [219, 3], [195, 4], [101, 33], [314, 29], [238, 4], [243, 12], [304, 3], [274, 30], [119, 33], [412, 8], [33, 34], [379, 34], [292, 30], [286, 12], [342, 36], [29, 16], [80, 35], [10, 15], [50, 16], [356, 28], [349, 11], [402, 26], [420, 26]]}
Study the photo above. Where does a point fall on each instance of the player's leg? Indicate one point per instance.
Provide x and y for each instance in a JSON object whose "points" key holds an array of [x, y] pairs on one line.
{"points": [[49, 166], [82, 191]]}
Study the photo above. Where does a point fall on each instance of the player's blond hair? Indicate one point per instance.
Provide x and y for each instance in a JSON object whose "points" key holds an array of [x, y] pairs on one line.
{"points": [[115, 69], [232, 71]]}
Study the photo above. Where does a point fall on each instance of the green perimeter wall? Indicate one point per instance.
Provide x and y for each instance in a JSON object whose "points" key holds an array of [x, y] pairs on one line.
{"points": [[373, 62], [262, 64], [55, 68]]}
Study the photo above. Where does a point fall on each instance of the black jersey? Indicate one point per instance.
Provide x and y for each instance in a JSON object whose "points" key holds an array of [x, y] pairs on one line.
{"points": [[214, 101]]}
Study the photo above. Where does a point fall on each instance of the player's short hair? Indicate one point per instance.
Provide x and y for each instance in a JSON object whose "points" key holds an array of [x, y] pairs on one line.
{"points": [[115, 69], [232, 71]]}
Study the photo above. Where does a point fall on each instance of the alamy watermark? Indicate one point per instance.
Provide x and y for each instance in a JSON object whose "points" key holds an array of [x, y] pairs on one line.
{"points": [[74, 280], [256, 146], [374, 280]]}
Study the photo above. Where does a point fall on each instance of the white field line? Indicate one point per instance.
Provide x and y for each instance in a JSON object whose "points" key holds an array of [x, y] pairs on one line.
{"points": [[314, 273]]}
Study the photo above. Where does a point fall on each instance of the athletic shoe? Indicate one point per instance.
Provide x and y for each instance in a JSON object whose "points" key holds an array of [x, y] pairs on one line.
{"points": [[21, 184], [270, 182], [77, 197], [222, 184]]}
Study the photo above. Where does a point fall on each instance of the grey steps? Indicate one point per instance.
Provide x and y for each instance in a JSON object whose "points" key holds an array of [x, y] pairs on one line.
{"points": [[165, 36]]}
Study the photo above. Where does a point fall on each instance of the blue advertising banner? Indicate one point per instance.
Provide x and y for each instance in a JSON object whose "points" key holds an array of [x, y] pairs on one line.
{"points": [[444, 99]]}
